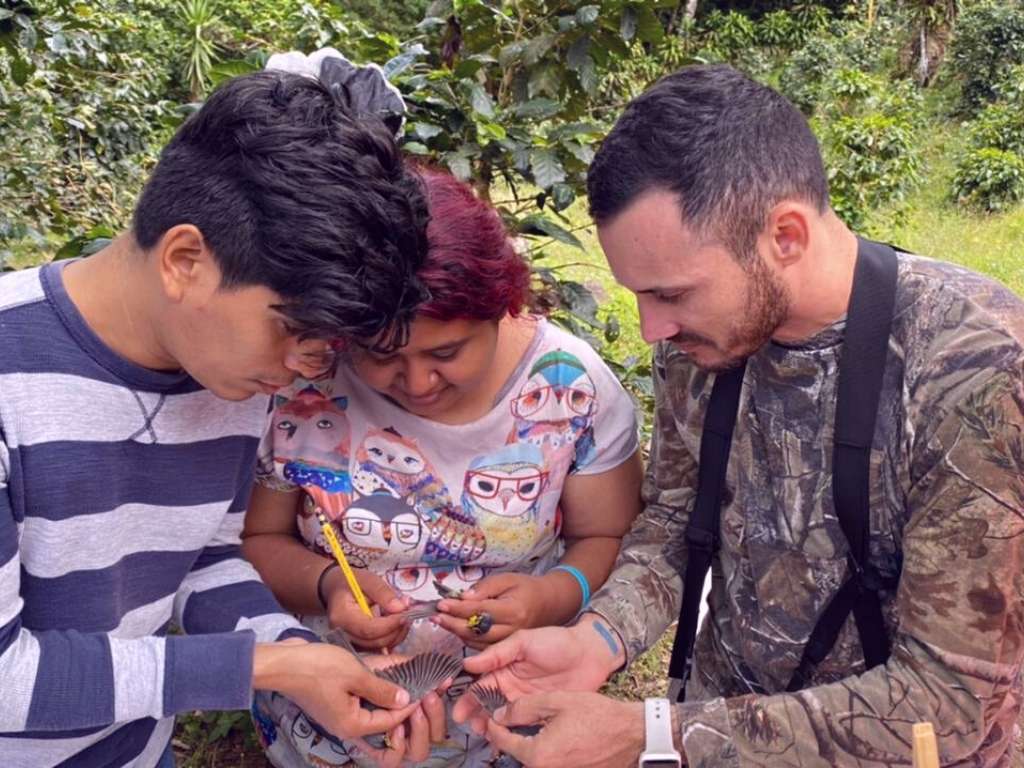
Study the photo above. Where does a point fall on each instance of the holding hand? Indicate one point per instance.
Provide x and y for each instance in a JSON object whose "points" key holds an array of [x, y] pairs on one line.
{"points": [[541, 661], [512, 600], [585, 730], [343, 612], [327, 683]]}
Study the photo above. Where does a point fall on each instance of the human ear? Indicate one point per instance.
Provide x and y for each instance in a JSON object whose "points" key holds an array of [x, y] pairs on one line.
{"points": [[788, 233], [185, 263]]}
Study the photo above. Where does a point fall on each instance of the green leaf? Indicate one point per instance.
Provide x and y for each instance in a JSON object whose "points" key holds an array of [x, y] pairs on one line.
{"points": [[648, 26], [228, 69], [537, 48], [402, 61], [582, 152], [588, 76], [547, 169], [538, 109], [426, 131], [586, 15], [537, 224], [459, 164], [491, 130], [415, 148], [511, 53], [21, 69], [627, 26], [28, 38], [563, 196], [546, 79], [5, 14], [577, 55], [480, 100]]}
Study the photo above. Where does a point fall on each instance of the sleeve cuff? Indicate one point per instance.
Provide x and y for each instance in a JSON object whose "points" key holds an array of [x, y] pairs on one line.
{"points": [[706, 734], [208, 672]]}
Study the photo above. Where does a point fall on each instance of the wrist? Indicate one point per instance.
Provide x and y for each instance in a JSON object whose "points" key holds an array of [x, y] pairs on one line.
{"points": [[560, 599], [271, 663], [601, 641]]}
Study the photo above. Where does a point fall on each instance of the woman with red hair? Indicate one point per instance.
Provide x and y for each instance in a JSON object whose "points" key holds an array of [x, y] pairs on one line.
{"points": [[483, 472]]}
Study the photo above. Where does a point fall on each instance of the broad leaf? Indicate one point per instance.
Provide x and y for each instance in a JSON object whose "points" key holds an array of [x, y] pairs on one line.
{"points": [[547, 169], [537, 224], [627, 26], [480, 100], [537, 109]]}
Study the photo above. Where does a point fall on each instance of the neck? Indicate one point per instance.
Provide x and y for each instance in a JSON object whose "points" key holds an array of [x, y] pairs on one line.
{"points": [[820, 291], [115, 293]]}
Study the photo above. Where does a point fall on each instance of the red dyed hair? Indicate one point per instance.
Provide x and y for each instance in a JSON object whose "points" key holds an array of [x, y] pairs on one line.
{"points": [[471, 270]]}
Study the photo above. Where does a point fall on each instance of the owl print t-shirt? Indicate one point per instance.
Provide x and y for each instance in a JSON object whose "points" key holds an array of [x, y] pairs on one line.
{"points": [[430, 506]]}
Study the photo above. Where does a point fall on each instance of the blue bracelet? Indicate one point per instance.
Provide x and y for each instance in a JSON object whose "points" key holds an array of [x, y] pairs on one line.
{"points": [[580, 578]]}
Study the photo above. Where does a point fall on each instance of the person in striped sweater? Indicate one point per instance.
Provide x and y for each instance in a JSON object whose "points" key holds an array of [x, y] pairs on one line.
{"points": [[133, 393]]}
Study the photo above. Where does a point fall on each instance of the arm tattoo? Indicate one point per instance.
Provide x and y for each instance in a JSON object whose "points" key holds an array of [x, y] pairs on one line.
{"points": [[608, 637]]}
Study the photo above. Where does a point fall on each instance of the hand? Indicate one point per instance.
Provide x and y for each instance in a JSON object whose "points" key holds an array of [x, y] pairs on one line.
{"points": [[513, 600], [584, 730], [538, 661], [410, 742], [343, 612], [327, 683]]}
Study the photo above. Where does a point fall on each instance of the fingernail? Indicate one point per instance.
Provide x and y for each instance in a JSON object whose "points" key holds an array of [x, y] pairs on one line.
{"points": [[469, 594], [499, 714], [401, 698]]}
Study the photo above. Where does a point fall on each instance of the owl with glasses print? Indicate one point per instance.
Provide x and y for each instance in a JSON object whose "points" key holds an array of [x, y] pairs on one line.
{"points": [[502, 492], [381, 530], [555, 411]]}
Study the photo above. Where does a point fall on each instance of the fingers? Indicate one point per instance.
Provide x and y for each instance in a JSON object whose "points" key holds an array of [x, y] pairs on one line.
{"points": [[367, 631], [499, 655], [532, 709], [418, 742], [466, 706], [364, 722], [378, 691], [492, 586], [519, 747], [433, 709], [379, 592]]}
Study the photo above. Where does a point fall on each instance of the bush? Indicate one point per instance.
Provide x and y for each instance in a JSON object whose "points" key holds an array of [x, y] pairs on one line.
{"points": [[989, 179], [989, 42], [868, 130]]}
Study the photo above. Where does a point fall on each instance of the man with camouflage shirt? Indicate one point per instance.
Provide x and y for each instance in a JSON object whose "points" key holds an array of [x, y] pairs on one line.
{"points": [[712, 207]]}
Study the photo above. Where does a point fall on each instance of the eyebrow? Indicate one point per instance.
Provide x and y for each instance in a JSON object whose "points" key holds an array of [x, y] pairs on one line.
{"points": [[665, 289]]}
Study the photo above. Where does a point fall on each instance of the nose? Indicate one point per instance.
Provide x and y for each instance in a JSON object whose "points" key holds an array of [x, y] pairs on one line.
{"points": [[655, 321], [420, 379], [506, 496]]}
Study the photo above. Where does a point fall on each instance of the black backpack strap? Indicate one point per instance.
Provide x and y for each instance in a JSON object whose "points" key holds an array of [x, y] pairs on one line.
{"points": [[702, 529], [861, 370]]}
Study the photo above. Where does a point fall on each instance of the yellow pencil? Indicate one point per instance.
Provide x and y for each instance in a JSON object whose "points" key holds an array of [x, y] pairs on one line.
{"points": [[926, 752], [339, 555]]}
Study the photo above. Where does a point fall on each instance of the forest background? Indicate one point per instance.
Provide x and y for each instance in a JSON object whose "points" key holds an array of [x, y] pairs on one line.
{"points": [[918, 105]]}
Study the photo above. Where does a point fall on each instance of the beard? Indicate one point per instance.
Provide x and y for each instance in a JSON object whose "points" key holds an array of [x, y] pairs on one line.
{"points": [[767, 305]]}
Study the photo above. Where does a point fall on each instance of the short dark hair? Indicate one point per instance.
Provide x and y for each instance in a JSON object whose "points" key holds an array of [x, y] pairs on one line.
{"points": [[294, 193], [729, 147]]}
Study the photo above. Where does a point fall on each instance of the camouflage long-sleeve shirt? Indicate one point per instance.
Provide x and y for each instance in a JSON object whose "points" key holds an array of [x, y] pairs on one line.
{"points": [[947, 499]]}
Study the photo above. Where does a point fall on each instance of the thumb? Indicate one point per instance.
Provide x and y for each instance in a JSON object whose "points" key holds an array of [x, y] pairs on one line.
{"points": [[378, 691], [530, 709], [499, 655], [491, 586], [379, 592]]}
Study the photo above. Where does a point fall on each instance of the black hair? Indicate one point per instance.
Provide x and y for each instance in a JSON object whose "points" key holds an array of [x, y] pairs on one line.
{"points": [[727, 146], [293, 192]]}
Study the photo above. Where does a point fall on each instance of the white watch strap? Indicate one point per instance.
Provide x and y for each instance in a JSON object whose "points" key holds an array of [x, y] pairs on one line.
{"points": [[658, 728]]}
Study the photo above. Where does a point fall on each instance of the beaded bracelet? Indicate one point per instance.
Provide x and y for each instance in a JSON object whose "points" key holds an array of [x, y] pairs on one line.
{"points": [[320, 583], [580, 579]]}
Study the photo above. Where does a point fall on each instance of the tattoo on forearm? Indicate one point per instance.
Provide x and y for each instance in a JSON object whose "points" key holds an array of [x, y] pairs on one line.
{"points": [[609, 638]]}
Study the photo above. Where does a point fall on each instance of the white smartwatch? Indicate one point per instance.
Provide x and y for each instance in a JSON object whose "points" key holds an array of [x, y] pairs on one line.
{"points": [[660, 751]]}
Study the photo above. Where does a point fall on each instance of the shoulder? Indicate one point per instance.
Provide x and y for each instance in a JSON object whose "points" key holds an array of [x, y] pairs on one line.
{"points": [[955, 329]]}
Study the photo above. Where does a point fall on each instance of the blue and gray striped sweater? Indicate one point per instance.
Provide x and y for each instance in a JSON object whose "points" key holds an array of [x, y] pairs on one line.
{"points": [[122, 492]]}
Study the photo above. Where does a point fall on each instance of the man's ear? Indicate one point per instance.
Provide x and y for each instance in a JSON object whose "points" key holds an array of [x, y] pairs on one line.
{"points": [[788, 232], [185, 263]]}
